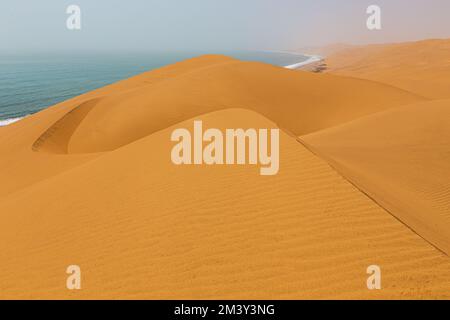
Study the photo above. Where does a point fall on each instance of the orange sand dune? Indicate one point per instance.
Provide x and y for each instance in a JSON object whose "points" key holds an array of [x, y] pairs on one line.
{"points": [[422, 67], [90, 182], [300, 102], [115, 115], [140, 227], [22, 167], [401, 158]]}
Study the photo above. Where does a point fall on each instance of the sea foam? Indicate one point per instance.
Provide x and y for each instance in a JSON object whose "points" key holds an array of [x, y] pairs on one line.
{"points": [[6, 122]]}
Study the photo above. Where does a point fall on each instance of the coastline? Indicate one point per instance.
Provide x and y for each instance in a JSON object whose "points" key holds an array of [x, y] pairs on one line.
{"points": [[311, 59], [6, 122]]}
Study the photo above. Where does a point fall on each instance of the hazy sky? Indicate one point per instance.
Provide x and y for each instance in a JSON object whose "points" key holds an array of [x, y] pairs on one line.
{"points": [[143, 25]]}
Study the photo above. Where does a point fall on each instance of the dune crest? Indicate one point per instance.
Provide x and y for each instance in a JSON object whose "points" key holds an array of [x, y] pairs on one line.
{"points": [[300, 102]]}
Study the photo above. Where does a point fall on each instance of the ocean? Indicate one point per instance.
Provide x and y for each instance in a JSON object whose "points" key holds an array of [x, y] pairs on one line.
{"points": [[30, 83]]}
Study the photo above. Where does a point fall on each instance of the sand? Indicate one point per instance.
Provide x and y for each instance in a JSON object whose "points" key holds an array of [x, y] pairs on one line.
{"points": [[405, 168], [421, 67], [90, 182], [301, 103]]}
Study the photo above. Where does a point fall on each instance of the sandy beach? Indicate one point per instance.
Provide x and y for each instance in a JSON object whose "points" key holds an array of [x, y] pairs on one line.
{"points": [[363, 180]]}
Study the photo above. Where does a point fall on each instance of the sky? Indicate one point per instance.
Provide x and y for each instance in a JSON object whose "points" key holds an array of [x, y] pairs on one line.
{"points": [[28, 26]]}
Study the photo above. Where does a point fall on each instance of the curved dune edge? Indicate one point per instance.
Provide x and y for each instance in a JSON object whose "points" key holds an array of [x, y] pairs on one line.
{"points": [[401, 159], [141, 227], [300, 102], [57, 137], [21, 168]]}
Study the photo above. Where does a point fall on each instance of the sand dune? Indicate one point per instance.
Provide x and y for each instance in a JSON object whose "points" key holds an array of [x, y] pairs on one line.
{"points": [[115, 115], [20, 167], [90, 182], [297, 101], [141, 227], [400, 158], [422, 67], [133, 108]]}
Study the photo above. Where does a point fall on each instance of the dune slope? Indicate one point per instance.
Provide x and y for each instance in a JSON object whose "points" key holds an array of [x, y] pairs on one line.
{"points": [[401, 158], [140, 227]]}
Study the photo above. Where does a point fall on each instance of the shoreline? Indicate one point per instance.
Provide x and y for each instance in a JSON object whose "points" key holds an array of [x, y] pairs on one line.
{"points": [[311, 59], [6, 122]]}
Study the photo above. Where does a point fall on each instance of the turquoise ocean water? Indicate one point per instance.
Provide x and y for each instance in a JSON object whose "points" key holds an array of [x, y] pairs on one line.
{"points": [[29, 84]]}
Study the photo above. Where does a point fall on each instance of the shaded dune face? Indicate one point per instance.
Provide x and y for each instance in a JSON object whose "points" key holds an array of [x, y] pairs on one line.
{"points": [[298, 102], [56, 138]]}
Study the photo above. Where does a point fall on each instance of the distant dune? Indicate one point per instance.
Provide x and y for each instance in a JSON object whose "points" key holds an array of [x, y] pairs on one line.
{"points": [[325, 51], [421, 67], [90, 182]]}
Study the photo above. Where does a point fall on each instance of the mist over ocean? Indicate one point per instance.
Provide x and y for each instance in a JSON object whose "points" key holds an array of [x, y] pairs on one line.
{"points": [[30, 83]]}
